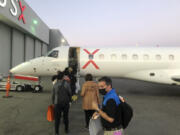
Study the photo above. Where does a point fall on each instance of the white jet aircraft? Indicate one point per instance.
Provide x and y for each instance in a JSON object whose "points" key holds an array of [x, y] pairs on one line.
{"points": [[155, 64]]}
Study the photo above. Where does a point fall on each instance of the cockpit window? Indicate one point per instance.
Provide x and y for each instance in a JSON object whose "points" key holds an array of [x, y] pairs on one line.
{"points": [[53, 54]]}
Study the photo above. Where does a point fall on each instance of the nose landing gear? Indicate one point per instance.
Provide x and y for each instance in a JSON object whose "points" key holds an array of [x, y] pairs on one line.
{"points": [[38, 88]]}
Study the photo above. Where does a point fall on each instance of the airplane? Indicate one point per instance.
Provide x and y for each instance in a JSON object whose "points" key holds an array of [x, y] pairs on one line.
{"points": [[152, 64]]}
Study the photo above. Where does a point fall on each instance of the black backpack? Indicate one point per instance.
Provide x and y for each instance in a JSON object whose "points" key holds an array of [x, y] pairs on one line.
{"points": [[126, 114], [63, 95]]}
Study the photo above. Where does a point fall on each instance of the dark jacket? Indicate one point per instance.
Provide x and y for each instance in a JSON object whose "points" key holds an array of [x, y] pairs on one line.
{"points": [[61, 92], [111, 106]]}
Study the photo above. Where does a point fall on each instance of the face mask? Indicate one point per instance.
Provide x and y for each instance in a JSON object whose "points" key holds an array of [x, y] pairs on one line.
{"points": [[102, 91]]}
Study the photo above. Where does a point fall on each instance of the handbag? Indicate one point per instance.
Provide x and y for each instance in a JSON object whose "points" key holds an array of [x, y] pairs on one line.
{"points": [[95, 127], [50, 113]]}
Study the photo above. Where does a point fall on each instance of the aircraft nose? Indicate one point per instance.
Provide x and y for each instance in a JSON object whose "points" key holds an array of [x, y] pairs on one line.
{"points": [[21, 69]]}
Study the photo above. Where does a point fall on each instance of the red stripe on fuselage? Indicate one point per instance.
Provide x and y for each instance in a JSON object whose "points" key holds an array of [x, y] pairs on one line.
{"points": [[26, 78]]}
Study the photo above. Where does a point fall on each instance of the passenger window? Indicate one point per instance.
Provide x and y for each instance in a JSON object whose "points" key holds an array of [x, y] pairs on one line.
{"points": [[171, 57], [101, 56], [135, 56], [53, 54], [113, 57], [146, 57], [124, 56], [158, 57]]}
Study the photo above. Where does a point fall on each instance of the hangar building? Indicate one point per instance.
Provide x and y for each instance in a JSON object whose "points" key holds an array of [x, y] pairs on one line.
{"points": [[23, 35]]}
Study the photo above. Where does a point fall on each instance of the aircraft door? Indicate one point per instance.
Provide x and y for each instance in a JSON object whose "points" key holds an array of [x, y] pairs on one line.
{"points": [[74, 58]]}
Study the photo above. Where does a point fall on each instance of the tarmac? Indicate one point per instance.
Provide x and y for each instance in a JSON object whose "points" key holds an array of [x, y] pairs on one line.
{"points": [[156, 111]]}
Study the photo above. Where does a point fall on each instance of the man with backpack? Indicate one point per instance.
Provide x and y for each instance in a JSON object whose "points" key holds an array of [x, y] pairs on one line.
{"points": [[111, 111], [61, 98]]}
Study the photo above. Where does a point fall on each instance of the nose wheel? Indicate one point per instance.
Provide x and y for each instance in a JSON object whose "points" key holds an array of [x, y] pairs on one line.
{"points": [[19, 88], [38, 88]]}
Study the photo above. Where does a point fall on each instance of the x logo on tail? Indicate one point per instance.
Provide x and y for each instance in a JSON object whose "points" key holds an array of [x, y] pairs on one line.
{"points": [[91, 57]]}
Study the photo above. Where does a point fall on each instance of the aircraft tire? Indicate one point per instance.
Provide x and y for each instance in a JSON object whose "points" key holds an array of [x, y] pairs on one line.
{"points": [[37, 88], [19, 88]]}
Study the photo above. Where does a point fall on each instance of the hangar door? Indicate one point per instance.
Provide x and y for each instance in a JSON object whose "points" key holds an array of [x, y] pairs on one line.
{"points": [[37, 48], [5, 49], [29, 48], [17, 48], [44, 49]]}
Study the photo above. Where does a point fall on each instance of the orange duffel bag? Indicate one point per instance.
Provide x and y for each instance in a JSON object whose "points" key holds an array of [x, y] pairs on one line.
{"points": [[50, 113]]}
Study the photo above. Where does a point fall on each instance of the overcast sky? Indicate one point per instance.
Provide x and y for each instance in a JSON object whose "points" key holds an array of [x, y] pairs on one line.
{"points": [[113, 22]]}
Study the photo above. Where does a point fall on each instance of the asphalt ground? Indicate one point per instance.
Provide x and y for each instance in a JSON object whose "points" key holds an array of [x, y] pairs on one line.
{"points": [[156, 111]]}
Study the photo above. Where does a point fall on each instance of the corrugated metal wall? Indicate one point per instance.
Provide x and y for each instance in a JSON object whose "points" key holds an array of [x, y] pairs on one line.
{"points": [[17, 47]]}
